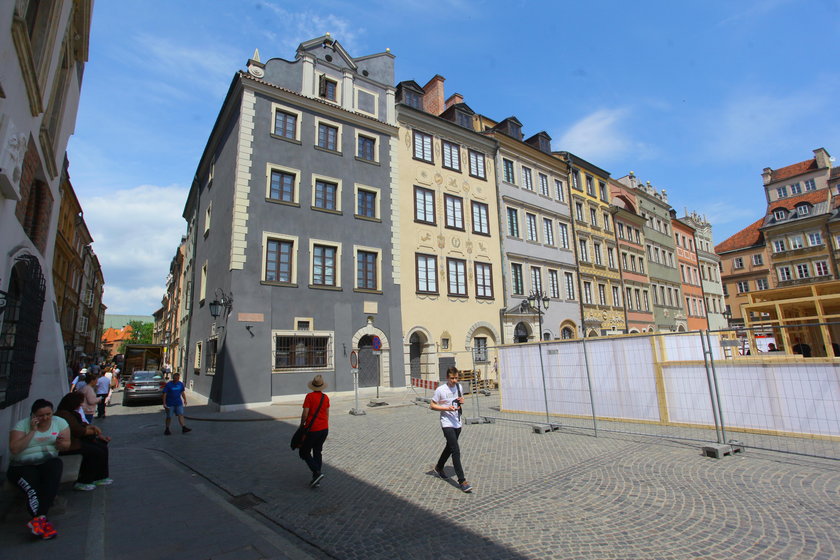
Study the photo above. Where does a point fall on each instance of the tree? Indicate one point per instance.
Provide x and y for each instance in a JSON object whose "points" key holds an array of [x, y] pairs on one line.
{"points": [[141, 333]]}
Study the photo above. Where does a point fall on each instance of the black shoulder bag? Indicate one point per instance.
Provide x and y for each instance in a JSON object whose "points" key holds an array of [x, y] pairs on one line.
{"points": [[300, 433]]}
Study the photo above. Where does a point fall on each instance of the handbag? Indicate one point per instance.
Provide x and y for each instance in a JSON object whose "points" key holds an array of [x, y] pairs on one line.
{"points": [[300, 434]]}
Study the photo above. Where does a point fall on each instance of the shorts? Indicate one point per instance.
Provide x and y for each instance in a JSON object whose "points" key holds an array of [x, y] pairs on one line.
{"points": [[174, 410]]}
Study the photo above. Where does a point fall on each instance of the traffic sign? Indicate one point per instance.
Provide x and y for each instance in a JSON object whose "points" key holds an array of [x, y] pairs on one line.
{"points": [[376, 343], [354, 359]]}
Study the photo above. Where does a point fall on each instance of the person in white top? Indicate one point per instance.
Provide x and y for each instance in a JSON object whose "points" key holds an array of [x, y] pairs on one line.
{"points": [[448, 399]]}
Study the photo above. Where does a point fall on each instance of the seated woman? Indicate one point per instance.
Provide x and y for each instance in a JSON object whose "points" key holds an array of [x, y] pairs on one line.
{"points": [[35, 468], [86, 440]]}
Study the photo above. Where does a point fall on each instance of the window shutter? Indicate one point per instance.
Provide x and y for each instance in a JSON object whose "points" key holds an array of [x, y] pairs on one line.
{"points": [[322, 85]]}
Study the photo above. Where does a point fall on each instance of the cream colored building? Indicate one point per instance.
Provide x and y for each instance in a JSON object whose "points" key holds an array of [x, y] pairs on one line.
{"points": [[448, 250]]}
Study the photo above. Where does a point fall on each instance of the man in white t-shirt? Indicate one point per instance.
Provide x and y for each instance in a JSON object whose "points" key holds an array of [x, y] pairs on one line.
{"points": [[448, 399]]}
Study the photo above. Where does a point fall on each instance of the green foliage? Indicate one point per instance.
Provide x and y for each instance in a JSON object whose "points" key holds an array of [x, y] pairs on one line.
{"points": [[141, 333]]}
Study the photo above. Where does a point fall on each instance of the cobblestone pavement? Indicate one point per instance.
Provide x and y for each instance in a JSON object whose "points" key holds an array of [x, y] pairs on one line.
{"points": [[553, 495]]}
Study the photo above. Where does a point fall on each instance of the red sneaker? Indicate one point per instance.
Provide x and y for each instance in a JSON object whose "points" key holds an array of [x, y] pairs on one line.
{"points": [[40, 527], [49, 530]]}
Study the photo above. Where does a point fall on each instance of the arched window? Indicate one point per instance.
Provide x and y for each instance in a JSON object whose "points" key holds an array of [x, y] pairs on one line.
{"points": [[566, 333]]}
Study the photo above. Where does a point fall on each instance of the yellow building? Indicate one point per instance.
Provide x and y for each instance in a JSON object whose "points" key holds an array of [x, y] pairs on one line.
{"points": [[601, 289], [446, 234]]}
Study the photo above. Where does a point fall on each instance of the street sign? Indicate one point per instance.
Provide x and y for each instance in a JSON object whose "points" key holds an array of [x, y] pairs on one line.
{"points": [[354, 360], [376, 343]]}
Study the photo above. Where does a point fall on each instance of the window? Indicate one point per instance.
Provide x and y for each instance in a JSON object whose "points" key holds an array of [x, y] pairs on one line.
{"points": [[278, 260], [517, 284], [426, 274], [507, 167], [480, 220], [282, 186], [779, 213], [412, 99], [536, 279], [548, 231], [532, 226], [456, 277], [451, 156], [814, 238], [454, 211], [579, 211], [324, 265], [620, 228], [197, 358], [803, 210], [576, 179], [527, 180], [738, 262], [610, 257], [366, 270], [424, 205], [821, 268], [628, 298], [757, 260], [423, 146], [784, 273], [327, 88], [602, 190], [477, 164], [513, 222], [803, 270], [810, 185], [208, 214], [796, 242], [606, 221], [285, 124], [743, 287], [590, 185], [299, 351], [326, 195], [202, 287], [781, 192], [480, 349], [795, 188], [596, 251], [328, 137], [642, 264], [544, 185], [366, 148], [570, 285], [778, 245], [564, 235], [602, 294], [584, 250], [483, 280], [366, 206], [762, 284], [554, 284], [593, 217], [587, 292], [558, 186]]}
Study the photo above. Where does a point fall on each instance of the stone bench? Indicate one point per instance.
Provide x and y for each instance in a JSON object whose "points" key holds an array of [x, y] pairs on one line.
{"points": [[11, 498]]}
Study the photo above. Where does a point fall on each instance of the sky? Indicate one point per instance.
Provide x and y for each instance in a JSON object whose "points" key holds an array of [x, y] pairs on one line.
{"points": [[695, 97]]}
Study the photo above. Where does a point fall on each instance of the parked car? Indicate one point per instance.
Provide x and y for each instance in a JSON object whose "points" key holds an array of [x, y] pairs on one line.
{"points": [[144, 386]]}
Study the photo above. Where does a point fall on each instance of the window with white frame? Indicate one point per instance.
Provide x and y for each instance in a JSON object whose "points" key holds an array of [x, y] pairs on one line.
{"points": [[208, 214], [815, 238], [596, 252], [821, 268], [532, 226], [590, 185], [480, 349], [451, 155], [456, 276], [558, 187], [795, 188], [548, 231], [784, 273], [480, 218], [544, 185], [423, 146], [610, 257], [587, 292], [579, 211], [584, 250], [738, 262], [536, 279], [743, 287], [454, 211], [780, 213], [513, 222], [810, 185], [563, 230], [803, 210], [757, 260], [602, 294], [516, 280], [202, 287], [628, 297], [803, 270], [197, 357], [553, 284], [602, 190], [778, 245], [762, 284], [796, 242], [424, 205], [324, 272], [477, 164], [593, 217], [781, 192], [426, 275], [527, 180], [570, 285], [507, 169], [483, 280], [606, 221]]}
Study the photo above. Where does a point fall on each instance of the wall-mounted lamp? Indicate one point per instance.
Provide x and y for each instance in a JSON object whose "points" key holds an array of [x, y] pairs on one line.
{"points": [[222, 300]]}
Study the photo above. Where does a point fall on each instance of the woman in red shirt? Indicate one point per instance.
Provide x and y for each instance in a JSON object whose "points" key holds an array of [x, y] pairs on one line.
{"points": [[315, 416]]}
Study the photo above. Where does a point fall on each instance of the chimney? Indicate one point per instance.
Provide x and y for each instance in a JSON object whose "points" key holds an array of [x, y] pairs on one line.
{"points": [[822, 157], [454, 99], [433, 99], [767, 175]]}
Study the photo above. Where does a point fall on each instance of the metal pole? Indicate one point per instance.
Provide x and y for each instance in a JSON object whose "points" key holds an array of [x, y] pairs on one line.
{"points": [[589, 381], [706, 358], [542, 365], [717, 392]]}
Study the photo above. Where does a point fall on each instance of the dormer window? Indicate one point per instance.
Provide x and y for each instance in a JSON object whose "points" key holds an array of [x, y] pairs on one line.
{"points": [[514, 130], [412, 99], [779, 213], [327, 88], [803, 210], [463, 119]]}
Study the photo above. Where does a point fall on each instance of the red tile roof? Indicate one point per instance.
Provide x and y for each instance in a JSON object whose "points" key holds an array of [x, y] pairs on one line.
{"points": [[814, 197], [747, 237], [793, 170]]}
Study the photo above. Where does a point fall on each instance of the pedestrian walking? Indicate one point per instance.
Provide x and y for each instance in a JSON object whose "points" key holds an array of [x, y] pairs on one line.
{"points": [[34, 467], [91, 401], [103, 387], [315, 417], [174, 401], [79, 381], [448, 399]]}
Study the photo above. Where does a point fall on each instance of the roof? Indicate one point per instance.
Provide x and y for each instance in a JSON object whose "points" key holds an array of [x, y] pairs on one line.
{"points": [[748, 237], [820, 199], [793, 170]]}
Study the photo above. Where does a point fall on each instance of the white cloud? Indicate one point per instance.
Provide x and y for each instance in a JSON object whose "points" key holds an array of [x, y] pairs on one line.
{"points": [[602, 136], [303, 26], [136, 233]]}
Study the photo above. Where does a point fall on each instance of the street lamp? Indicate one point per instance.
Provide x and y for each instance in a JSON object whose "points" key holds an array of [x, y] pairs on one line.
{"points": [[537, 301], [222, 300], [727, 314]]}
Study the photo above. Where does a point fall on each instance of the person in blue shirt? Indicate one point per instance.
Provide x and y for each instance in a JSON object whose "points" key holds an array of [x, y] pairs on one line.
{"points": [[174, 401]]}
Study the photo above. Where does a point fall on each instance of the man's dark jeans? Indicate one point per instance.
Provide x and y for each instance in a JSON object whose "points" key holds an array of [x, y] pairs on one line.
{"points": [[452, 448]]}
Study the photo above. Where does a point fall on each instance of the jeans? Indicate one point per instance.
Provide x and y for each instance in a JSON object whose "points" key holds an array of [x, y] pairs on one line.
{"points": [[38, 482], [310, 451], [452, 449], [100, 406], [94, 460]]}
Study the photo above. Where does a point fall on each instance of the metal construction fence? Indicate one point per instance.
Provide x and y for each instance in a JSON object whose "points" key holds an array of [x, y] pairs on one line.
{"points": [[702, 386]]}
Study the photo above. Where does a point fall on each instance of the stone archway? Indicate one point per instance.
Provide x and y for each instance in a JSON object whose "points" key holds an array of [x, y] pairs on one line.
{"points": [[364, 336], [521, 333]]}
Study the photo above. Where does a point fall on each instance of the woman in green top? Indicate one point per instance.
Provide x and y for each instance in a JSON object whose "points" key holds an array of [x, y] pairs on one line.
{"points": [[35, 468]]}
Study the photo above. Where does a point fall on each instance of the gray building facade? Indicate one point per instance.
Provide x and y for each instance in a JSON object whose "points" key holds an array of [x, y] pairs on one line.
{"points": [[293, 252]]}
